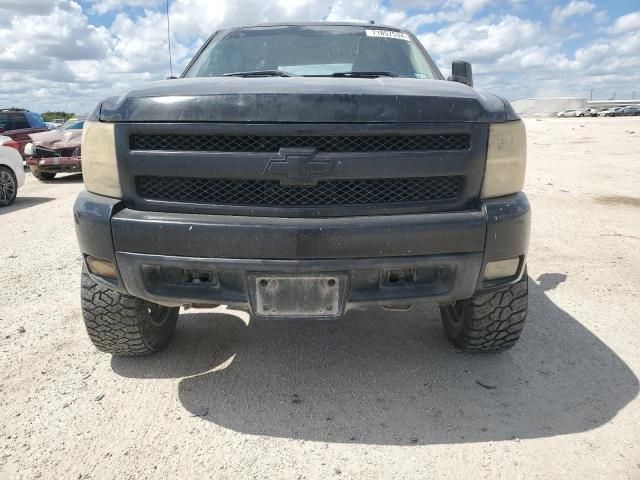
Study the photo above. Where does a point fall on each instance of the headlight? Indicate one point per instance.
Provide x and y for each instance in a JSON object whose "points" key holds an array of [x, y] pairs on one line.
{"points": [[29, 149], [506, 159], [99, 163]]}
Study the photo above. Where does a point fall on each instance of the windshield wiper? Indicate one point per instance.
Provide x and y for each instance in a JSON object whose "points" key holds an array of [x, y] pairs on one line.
{"points": [[365, 74], [260, 73]]}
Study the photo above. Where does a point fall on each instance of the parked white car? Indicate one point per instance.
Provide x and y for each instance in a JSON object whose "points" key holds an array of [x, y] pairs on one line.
{"points": [[566, 113], [11, 170], [586, 112]]}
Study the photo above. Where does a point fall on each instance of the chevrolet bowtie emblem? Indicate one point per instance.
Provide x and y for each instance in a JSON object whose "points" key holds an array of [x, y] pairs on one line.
{"points": [[298, 166]]}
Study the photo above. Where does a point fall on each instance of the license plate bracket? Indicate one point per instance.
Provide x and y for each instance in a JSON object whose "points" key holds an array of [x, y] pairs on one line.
{"points": [[298, 295]]}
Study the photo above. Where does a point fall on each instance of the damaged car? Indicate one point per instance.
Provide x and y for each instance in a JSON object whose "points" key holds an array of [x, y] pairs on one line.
{"points": [[55, 151]]}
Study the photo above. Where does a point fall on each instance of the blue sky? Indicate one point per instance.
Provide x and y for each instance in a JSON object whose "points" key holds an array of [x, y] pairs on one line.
{"points": [[75, 53]]}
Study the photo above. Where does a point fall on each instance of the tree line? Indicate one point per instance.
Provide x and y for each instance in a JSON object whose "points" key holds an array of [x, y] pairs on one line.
{"points": [[51, 116]]}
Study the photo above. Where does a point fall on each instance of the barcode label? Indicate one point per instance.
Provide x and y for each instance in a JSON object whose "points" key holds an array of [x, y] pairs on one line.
{"points": [[388, 34]]}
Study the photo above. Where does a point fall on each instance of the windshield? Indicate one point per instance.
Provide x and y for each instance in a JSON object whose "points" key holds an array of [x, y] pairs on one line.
{"points": [[313, 51], [73, 124], [35, 120]]}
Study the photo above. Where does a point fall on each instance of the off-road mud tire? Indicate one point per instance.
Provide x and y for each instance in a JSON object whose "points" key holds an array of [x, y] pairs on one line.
{"points": [[488, 322], [124, 325]]}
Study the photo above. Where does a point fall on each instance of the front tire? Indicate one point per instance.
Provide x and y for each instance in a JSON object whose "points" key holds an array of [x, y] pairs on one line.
{"points": [[8, 187], [42, 175], [488, 322], [124, 325]]}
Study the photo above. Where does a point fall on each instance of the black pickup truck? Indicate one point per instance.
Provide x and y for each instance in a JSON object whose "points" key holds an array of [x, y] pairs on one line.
{"points": [[302, 171]]}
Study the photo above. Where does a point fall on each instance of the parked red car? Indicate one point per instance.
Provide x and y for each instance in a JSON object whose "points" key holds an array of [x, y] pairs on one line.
{"points": [[18, 124]]}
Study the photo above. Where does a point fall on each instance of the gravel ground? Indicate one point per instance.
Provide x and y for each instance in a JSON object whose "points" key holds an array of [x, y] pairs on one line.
{"points": [[376, 395]]}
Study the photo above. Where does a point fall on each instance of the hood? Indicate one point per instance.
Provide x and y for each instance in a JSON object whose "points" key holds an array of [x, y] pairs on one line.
{"points": [[305, 100], [57, 139]]}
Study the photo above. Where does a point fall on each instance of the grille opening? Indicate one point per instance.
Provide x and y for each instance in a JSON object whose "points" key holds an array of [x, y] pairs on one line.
{"points": [[323, 143], [399, 277], [198, 276], [156, 274], [270, 193], [40, 152]]}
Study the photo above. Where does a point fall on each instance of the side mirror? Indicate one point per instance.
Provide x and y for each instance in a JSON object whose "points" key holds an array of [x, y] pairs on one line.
{"points": [[1, 129], [461, 72]]}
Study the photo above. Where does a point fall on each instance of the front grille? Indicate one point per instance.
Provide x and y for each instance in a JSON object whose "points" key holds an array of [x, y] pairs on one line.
{"points": [[63, 152], [323, 143], [270, 193]]}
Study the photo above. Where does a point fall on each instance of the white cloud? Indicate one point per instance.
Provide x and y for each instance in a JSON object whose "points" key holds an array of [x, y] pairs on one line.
{"points": [[31, 43], [481, 41], [31, 7], [601, 17], [518, 57], [575, 7], [627, 23], [104, 6]]}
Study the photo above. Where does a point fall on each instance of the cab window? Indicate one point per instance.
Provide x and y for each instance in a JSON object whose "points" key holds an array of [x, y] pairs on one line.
{"points": [[5, 123], [19, 122]]}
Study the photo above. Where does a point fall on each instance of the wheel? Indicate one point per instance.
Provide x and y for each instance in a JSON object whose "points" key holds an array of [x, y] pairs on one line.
{"points": [[124, 325], [8, 186], [42, 175], [488, 322]]}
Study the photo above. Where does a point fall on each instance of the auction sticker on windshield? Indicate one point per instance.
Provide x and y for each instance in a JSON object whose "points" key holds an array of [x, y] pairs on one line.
{"points": [[388, 34]]}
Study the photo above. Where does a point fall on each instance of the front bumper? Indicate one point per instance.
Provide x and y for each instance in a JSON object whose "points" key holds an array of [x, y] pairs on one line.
{"points": [[56, 164], [437, 257]]}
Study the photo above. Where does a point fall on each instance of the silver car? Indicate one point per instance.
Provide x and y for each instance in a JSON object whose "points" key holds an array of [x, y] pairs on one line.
{"points": [[610, 112]]}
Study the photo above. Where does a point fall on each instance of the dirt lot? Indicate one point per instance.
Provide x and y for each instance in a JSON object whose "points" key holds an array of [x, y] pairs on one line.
{"points": [[377, 395]]}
